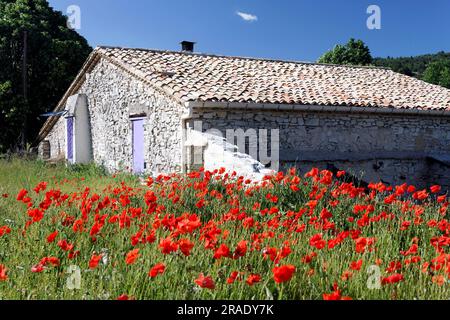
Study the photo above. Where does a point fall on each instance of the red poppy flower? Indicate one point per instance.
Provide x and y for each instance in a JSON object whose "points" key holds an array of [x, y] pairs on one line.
{"points": [[156, 270], [392, 279], [132, 256], [185, 246], [167, 246], [22, 194], [64, 245], [356, 265], [241, 249], [222, 252], [309, 258], [3, 273], [232, 278], [37, 268], [252, 279], [317, 241], [73, 254], [4, 230], [435, 189], [346, 275], [335, 295], [439, 280], [50, 260], [95, 259], [205, 282], [411, 251], [283, 273], [51, 238], [124, 297]]}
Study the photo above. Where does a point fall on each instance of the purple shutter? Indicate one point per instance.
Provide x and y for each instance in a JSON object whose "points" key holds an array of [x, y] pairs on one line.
{"points": [[70, 139], [138, 146]]}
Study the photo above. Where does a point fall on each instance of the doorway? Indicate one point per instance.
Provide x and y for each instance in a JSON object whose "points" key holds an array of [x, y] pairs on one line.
{"points": [[138, 146]]}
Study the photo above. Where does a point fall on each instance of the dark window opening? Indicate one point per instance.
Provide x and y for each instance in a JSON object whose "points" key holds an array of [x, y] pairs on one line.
{"points": [[46, 152]]}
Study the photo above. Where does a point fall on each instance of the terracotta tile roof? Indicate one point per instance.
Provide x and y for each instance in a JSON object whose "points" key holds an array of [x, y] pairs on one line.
{"points": [[200, 77]]}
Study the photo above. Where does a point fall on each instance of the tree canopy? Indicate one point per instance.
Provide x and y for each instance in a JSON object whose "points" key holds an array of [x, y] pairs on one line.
{"points": [[438, 72], [432, 68], [411, 66], [354, 52], [55, 53]]}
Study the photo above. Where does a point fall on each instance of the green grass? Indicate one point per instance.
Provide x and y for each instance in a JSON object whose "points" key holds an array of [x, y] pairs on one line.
{"points": [[227, 205]]}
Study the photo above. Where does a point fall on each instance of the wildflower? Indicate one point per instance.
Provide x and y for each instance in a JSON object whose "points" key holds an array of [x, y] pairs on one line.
{"points": [[317, 241], [395, 278], [421, 195], [132, 256], [394, 266], [205, 282], [356, 265], [3, 273], [4, 230], [156, 270], [241, 249], [252, 279], [222, 252], [435, 189], [411, 251], [50, 260], [65, 246], [309, 258], [73, 254], [95, 259], [51, 238], [335, 295], [439, 280], [167, 246], [283, 273], [232, 278], [22, 194], [346, 275], [185, 246], [37, 268]]}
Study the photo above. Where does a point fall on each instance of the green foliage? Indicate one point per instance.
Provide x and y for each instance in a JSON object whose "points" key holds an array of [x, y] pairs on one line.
{"points": [[432, 68], [438, 72], [91, 169], [55, 55], [355, 52], [289, 232], [411, 66]]}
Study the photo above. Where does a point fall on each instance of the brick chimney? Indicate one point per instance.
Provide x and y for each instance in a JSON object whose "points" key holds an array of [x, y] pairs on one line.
{"points": [[187, 46]]}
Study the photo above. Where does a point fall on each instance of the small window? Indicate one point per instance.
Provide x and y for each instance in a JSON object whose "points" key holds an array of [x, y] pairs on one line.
{"points": [[46, 152]]}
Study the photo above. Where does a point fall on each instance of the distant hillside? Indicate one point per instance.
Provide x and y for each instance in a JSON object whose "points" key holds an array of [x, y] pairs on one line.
{"points": [[411, 66]]}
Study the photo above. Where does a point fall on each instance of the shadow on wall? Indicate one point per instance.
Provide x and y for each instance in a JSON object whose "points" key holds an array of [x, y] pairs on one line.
{"points": [[421, 173]]}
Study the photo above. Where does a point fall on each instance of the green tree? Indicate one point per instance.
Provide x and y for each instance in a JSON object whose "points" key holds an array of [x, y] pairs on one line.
{"points": [[55, 53], [438, 72], [355, 52]]}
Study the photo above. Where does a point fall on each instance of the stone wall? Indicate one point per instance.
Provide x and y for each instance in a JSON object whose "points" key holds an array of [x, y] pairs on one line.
{"points": [[57, 139], [393, 148], [113, 95]]}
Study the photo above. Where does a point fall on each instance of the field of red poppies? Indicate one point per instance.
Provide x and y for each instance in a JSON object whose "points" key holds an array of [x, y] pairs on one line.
{"points": [[68, 234]]}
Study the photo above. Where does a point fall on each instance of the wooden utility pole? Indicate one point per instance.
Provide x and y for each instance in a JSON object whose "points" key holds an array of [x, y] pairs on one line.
{"points": [[25, 89]]}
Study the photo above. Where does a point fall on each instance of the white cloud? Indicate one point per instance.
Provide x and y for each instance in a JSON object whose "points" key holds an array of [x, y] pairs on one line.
{"points": [[247, 16]]}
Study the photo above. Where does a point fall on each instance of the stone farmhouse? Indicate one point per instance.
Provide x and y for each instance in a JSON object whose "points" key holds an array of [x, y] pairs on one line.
{"points": [[148, 111]]}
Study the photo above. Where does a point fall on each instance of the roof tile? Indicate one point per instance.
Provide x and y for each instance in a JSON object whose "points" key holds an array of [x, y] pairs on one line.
{"points": [[199, 77]]}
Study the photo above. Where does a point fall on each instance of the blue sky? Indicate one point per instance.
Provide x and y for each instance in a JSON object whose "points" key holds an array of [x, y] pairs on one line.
{"points": [[285, 29]]}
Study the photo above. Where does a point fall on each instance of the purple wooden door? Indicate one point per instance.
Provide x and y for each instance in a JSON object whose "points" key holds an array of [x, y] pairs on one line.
{"points": [[70, 139], [138, 146]]}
